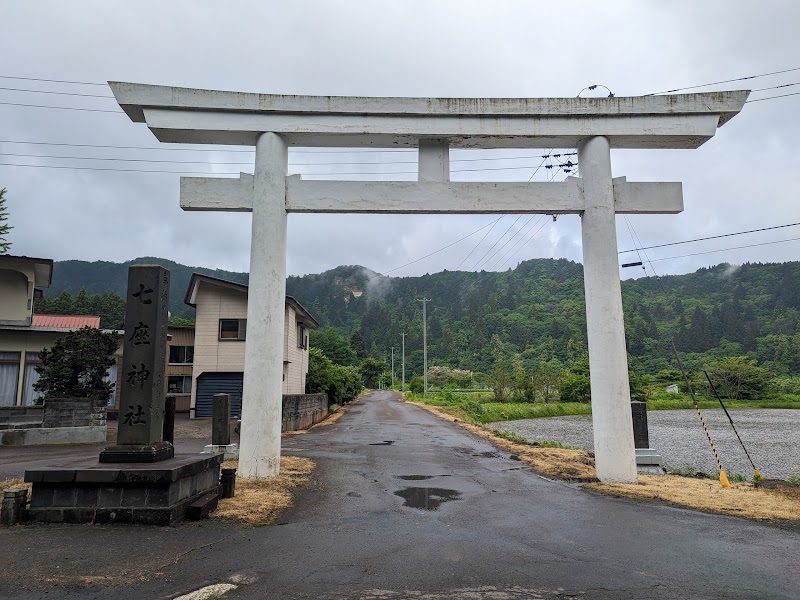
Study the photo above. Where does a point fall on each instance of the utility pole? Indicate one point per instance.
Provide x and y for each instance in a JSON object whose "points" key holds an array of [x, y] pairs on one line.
{"points": [[403, 381], [424, 344], [392, 367]]}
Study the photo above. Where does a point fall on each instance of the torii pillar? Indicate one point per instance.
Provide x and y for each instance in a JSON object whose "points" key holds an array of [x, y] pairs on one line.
{"points": [[272, 123]]}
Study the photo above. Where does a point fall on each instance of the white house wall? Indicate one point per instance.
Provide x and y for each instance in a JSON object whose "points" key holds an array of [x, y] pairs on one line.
{"points": [[212, 355]]}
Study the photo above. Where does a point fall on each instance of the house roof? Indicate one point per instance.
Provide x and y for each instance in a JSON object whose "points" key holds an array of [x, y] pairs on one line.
{"points": [[197, 278], [65, 321], [42, 267]]}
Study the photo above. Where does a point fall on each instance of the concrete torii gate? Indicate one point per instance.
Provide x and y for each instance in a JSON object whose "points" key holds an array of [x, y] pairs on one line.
{"points": [[272, 123]]}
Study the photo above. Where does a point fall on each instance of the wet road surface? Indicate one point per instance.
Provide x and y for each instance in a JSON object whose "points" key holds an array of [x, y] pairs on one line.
{"points": [[403, 505]]}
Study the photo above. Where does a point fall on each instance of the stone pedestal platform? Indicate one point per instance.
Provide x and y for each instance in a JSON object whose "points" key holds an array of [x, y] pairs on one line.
{"points": [[229, 451], [648, 462], [150, 494]]}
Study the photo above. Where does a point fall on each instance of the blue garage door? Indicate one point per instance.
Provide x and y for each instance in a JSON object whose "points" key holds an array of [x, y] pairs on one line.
{"points": [[209, 384]]}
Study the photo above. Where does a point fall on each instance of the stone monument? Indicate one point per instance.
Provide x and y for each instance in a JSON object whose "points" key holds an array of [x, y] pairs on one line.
{"points": [[124, 485], [140, 426]]}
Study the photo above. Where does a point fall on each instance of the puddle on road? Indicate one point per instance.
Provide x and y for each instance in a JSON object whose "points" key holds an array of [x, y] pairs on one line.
{"points": [[415, 477], [426, 498]]}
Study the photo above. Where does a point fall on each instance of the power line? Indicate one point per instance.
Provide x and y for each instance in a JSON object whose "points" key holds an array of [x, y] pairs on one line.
{"points": [[52, 80], [63, 107], [508, 241], [149, 160], [773, 97], [120, 170], [314, 164], [694, 87], [524, 242], [726, 249], [712, 237], [436, 251], [775, 87], [165, 148], [10, 89], [475, 266], [478, 244], [340, 173]]}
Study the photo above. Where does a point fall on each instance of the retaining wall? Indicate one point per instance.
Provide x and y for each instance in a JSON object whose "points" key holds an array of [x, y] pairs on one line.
{"points": [[301, 411]]}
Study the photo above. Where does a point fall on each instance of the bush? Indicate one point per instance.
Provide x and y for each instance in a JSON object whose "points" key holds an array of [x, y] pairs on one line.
{"points": [[734, 377], [76, 365], [417, 385], [342, 384], [575, 387]]}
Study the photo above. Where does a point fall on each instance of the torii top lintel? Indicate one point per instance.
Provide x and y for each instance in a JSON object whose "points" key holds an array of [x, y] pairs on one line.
{"points": [[195, 116]]}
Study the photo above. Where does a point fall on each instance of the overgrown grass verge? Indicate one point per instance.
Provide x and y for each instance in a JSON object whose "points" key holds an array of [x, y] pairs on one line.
{"points": [[261, 501], [479, 409], [14, 484], [547, 458], [742, 499]]}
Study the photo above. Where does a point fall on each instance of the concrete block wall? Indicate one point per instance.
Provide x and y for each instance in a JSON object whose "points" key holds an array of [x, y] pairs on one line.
{"points": [[15, 417], [301, 411], [74, 412]]}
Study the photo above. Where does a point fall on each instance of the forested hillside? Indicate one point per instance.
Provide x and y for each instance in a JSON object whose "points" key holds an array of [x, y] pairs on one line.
{"points": [[536, 311], [101, 276]]}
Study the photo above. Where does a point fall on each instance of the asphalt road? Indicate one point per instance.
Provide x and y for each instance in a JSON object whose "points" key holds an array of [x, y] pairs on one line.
{"points": [[499, 531]]}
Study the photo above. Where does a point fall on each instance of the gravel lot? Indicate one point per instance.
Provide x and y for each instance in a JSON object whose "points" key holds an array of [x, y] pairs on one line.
{"points": [[772, 437]]}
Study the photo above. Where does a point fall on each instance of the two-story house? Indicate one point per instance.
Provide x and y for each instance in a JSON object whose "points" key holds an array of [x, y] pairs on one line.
{"points": [[219, 342], [22, 333]]}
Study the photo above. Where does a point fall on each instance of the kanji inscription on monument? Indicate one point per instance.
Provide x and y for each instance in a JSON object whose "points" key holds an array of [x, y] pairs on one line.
{"points": [[141, 411]]}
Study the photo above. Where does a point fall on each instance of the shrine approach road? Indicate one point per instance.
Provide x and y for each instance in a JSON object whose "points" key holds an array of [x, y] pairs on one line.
{"points": [[362, 530]]}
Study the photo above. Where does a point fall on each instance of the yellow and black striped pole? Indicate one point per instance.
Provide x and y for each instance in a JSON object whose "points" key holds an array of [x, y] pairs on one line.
{"points": [[723, 478]]}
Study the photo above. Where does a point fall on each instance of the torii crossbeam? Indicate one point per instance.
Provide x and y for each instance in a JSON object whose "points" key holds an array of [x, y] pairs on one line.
{"points": [[272, 123]]}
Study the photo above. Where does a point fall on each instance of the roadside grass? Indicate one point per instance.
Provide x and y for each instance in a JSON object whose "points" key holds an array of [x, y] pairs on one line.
{"points": [[479, 408], [15, 484], [691, 490], [740, 500], [260, 501]]}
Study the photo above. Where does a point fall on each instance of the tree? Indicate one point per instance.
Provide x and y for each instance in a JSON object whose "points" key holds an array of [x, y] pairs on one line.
{"points": [[735, 377], [371, 369], [333, 345], [357, 345], [5, 228], [501, 376], [340, 383], [575, 383], [76, 365]]}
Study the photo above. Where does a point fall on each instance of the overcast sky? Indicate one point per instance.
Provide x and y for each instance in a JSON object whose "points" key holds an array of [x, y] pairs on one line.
{"points": [[746, 177]]}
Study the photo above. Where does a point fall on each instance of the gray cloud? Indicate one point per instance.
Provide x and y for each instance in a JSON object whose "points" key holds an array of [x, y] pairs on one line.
{"points": [[744, 178]]}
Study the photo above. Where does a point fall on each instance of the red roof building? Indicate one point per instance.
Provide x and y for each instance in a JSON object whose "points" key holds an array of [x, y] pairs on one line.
{"points": [[65, 321]]}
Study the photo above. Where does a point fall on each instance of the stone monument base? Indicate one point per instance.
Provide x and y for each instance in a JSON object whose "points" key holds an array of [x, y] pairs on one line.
{"points": [[229, 451], [123, 492], [648, 462], [130, 453]]}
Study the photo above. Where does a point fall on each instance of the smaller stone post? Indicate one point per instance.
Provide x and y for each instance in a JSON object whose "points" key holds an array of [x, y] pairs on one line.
{"points": [[641, 438], [221, 429], [648, 461], [13, 509], [169, 419], [221, 420]]}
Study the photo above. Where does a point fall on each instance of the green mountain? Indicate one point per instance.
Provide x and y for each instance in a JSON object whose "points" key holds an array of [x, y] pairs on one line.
{"points": [[102, 276], [536, 310]]}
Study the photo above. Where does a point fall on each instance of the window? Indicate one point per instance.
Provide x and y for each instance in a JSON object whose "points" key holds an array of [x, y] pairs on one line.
{"points": [[179, 384], [181, 355], [232, 329], [9, 374], [302, 336], [29, 395]]}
